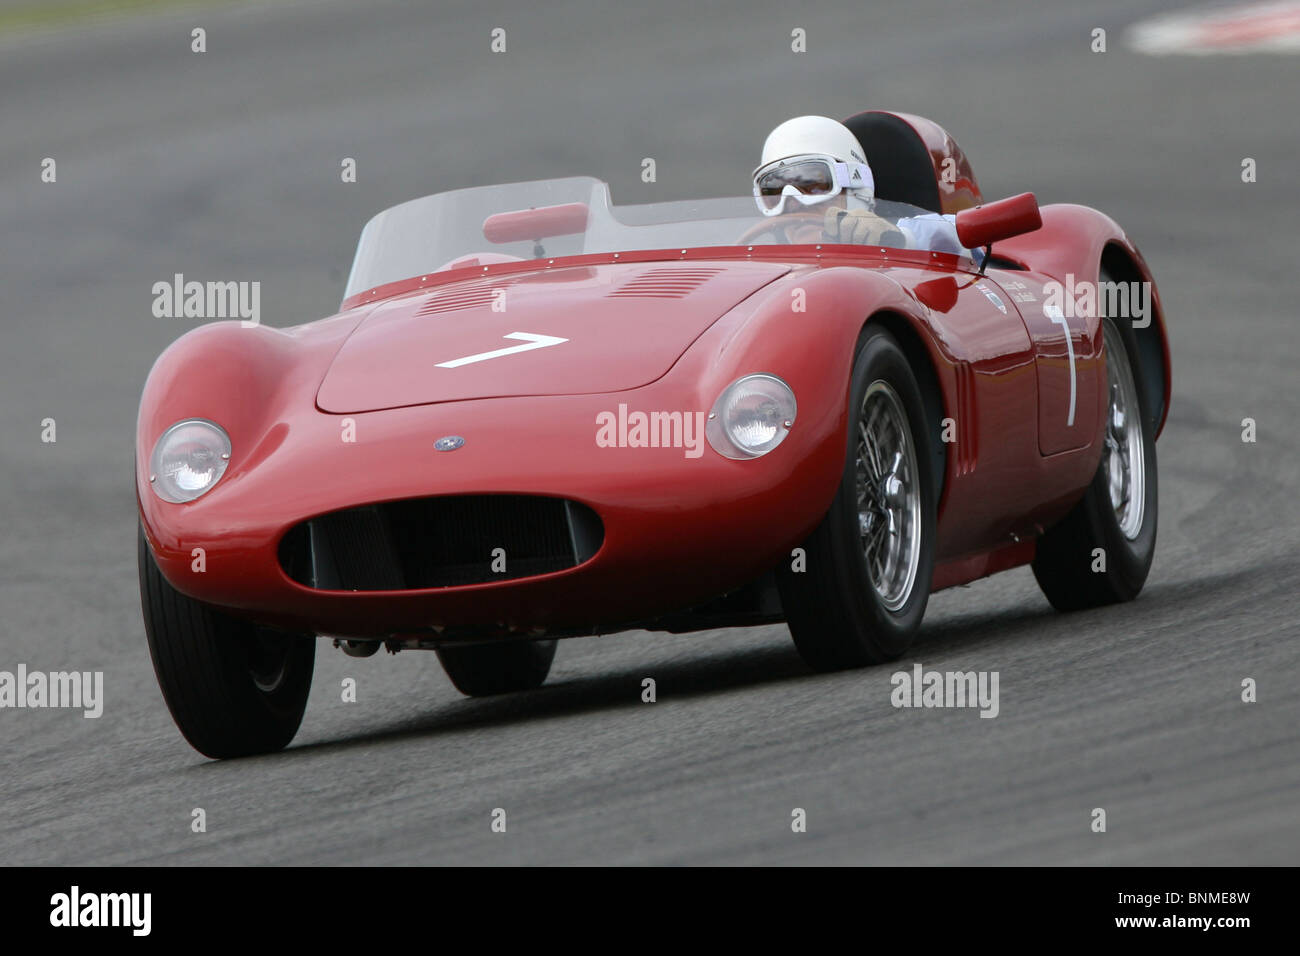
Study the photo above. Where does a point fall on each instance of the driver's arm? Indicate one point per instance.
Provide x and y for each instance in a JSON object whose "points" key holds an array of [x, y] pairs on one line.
{"points": [[933, 231]]}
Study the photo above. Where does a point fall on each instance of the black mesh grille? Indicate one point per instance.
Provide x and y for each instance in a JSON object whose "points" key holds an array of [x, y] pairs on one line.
{"points": [[440, 542]]}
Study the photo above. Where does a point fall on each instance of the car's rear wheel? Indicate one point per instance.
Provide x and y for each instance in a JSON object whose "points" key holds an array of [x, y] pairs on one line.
{"points": [[233, 688], [483, 670], [865, 581], [1101, 552]]}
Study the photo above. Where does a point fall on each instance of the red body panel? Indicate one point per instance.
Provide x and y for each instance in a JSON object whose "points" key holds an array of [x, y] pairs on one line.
{"points": [[678, 530]]}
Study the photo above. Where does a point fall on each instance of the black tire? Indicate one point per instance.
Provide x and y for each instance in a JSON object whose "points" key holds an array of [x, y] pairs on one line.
{"points": [[484, 670], [837, 615], [1066, 554], [233, 688]]}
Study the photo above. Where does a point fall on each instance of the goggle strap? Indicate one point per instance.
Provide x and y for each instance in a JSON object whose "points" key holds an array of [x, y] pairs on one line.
{"points": [[845, 173]]}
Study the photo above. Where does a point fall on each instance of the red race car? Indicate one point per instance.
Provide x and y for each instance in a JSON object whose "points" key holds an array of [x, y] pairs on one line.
{"points": [[539, 415]]}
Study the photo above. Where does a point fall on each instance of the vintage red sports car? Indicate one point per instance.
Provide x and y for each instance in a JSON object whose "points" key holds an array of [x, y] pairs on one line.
{"points": [[539, 415]]}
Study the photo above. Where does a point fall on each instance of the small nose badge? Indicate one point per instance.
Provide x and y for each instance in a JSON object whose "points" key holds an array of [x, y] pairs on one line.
{"points": [[448, 443]]}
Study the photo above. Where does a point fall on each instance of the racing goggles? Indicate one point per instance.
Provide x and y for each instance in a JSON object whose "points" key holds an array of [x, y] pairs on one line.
{"points": [[809, 179]]}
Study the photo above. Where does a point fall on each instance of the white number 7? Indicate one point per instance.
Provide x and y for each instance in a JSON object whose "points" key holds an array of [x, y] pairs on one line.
{"points": [[531, 341]]}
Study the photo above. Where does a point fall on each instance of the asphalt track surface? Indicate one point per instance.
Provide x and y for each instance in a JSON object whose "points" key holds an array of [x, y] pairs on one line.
{"points": [[225, 165]]}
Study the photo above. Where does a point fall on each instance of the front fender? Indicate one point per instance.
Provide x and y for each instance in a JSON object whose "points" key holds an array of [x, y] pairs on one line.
{"points": [[240, 378], [804, 328]]}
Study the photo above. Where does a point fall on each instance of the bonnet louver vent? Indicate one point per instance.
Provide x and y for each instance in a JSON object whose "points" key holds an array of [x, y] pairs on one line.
{"points": [[472, 297], [664, 283]]}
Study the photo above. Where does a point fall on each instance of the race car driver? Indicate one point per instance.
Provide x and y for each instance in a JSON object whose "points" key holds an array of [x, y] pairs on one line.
{"points": [[811, 160]]}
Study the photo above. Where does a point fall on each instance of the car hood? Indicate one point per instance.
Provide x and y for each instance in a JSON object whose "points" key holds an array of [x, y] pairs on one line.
{"points": [[557, 331]]}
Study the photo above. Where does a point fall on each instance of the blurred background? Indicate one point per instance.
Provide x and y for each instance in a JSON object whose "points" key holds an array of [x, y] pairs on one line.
{"points": [[225, 165]]}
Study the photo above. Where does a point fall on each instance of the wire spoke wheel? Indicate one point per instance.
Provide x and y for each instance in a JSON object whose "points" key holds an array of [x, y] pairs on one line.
{"points": [[861, 593], [1123, 458], [889, 497]]}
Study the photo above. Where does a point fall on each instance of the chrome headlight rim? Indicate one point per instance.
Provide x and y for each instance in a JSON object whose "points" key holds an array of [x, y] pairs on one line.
{"points": [[718, 430], [163, 486]]}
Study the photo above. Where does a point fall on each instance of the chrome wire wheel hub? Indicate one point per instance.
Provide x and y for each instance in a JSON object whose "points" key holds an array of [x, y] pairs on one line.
{"points": [[888, 495], [1123, 455]]}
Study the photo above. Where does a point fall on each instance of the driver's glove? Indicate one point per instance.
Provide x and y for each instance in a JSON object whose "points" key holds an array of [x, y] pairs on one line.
{"points": [[861, 227]]}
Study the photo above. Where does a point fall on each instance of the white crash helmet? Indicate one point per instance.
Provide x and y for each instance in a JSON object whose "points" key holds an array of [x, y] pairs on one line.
{"points": [[811, 159]]}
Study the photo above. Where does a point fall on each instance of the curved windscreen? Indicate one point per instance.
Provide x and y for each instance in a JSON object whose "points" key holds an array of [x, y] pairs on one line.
{"points": [[565, 217]]}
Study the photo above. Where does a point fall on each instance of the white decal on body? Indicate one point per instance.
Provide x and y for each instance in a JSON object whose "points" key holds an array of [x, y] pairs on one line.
{"points": [[531, 341], [1054, 313]]}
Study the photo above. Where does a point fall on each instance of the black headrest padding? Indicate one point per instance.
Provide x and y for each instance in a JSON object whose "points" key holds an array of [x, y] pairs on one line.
{"points": [[899, 160]]}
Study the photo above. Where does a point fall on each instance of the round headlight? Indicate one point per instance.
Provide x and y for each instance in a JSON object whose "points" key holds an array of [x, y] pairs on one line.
{"points": [[751, 416], [188, 460]]}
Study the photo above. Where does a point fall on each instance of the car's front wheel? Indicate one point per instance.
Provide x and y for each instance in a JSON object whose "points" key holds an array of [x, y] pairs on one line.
{"points": [[233, 688], [859, 594]]}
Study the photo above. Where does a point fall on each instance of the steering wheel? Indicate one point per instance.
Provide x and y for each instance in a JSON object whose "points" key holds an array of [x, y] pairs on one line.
{"points": [[781, 226]]}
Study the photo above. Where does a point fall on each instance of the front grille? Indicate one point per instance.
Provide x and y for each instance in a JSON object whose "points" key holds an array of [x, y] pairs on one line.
{"points": [[440, 542]]}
